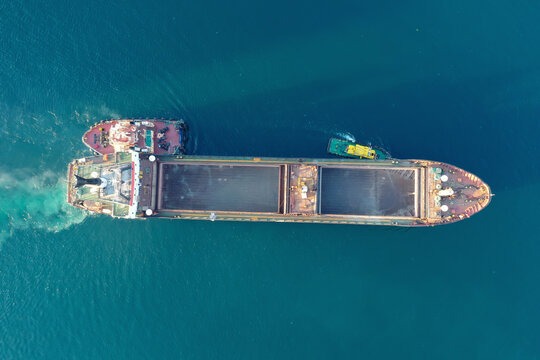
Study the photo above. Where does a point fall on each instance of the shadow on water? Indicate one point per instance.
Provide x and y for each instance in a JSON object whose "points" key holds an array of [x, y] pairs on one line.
{"points": [[464, 123]]}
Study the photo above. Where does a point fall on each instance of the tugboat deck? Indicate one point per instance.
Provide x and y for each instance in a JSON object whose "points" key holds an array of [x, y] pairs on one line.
{"points": [[160, 137]]}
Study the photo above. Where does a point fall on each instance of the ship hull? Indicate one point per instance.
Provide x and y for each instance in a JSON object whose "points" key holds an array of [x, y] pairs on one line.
{"points": [[331, 191], [153, 136]]}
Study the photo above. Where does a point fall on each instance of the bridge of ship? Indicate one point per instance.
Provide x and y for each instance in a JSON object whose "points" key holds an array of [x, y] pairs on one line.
{"points": [[115, 196], [340, 190]]}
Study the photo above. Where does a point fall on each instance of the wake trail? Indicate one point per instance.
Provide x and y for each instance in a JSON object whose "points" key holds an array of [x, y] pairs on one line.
{"points": [[34, 202], [346, 135]]}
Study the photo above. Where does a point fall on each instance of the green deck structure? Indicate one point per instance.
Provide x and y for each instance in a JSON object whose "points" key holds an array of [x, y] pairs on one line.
{"points": [[339, 147]]}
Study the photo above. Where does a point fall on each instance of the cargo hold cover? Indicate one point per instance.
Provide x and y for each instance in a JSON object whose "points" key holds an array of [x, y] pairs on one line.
{"points": [[215, 187], [370, 192]]}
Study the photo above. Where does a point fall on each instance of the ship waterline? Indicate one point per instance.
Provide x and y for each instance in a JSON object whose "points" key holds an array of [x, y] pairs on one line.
{"points": [[338, 191]]}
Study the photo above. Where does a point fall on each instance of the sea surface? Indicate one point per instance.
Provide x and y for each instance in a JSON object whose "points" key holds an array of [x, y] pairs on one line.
{"points": [[455, 81]]}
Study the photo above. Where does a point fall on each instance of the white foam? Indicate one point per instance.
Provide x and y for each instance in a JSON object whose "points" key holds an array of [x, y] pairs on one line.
{"points": [[347, 136], [34, 201]]}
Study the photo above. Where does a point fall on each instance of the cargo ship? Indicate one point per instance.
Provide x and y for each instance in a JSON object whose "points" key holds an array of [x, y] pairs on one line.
{"points": [[153, 136], [135, 184]]}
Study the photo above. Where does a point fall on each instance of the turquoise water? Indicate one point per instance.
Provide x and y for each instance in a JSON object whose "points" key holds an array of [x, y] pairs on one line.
{"points": [[455, 81]]}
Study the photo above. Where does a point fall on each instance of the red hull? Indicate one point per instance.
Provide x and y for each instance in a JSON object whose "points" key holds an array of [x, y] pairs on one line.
{"points": [[160, 137]]}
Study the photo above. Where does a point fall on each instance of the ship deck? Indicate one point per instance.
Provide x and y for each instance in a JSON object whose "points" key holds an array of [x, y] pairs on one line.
{"points": [[337, 191], [188, 185], [97, 137]]}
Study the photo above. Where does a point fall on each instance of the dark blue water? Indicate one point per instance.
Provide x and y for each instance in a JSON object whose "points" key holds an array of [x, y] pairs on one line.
{"points": [[456, 81]]}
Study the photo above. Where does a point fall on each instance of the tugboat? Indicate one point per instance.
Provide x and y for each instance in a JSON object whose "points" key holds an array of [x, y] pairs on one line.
{"points": [[152, 136], [352, 150]]}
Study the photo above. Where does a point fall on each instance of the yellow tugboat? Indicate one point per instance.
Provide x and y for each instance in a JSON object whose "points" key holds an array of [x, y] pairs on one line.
{"points": [[353, 150], [360, 151]]}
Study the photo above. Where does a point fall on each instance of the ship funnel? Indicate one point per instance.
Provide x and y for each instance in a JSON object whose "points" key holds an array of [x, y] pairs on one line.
{"points": [[83, 181]]}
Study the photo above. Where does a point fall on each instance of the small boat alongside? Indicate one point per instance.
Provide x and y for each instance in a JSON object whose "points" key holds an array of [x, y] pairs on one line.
{"points": [[352, 150], [152, 136]]}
